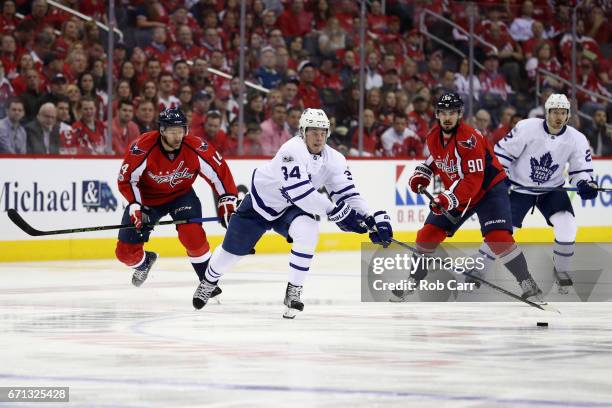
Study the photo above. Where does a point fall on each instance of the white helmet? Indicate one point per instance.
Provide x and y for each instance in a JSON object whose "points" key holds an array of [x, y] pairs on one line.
{"points": [[315, 118], [557, 101]]}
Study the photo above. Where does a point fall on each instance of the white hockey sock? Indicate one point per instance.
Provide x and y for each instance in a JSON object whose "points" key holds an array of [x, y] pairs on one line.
{"points": [[487, 257], [305, 233], [221, 261], [565, 228], [299, 265], [562, 255]]}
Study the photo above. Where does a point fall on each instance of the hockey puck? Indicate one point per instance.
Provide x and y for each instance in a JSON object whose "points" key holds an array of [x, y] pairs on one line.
{"points": [[542, 324]]}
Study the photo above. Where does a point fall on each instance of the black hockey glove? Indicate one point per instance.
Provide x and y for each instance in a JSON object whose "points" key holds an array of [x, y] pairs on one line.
{"points": [[347, 218], [587, 190], [380, 228]]}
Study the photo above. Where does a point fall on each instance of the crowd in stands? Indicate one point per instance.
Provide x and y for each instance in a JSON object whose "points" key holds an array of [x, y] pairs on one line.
{"points": [[53, 74]]}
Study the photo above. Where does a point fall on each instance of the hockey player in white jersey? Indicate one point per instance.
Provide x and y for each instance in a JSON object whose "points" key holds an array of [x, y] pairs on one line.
{"points": [[535, 154], [284, 197]]}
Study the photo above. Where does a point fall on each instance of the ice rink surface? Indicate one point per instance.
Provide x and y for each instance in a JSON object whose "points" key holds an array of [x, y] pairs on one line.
{"points": [[83, 325]]}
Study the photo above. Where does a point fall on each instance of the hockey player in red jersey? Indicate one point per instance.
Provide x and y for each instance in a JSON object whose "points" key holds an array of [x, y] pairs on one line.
{"points": [[475, 183], [156, 179]]}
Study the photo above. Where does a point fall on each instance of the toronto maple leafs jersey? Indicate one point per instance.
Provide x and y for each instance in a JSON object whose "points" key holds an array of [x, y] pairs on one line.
{"points": [[293, 177], [532, 156], [151, 176]]}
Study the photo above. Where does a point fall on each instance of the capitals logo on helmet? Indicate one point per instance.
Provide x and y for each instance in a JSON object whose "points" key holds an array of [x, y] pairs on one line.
{"points": [[557, 101], [313, 118]]}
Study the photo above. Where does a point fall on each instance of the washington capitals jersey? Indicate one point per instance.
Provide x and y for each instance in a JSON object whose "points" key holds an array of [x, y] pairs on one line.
{"points": [[293, 177], [151, 176], [466, 164], [533, 156]]}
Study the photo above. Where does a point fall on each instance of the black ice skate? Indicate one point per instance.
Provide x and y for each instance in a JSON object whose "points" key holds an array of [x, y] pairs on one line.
{"points": [[531, 291], [292, 301], [563, 281], [141, 272], [205, 291]]}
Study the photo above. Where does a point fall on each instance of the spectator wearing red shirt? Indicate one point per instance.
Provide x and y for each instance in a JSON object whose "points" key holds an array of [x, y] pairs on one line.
{"points": [[536, 41], [504, 125], [600, 28], [124, 130], [93, 8], [414, 45], [493, 84], [185, 48], [589, 46], [295, 21], [419, 119], [146, 116], [8, 20], [211, 41], [165, 95], [328, 77], [214, 134], [38, 15], [90, 132], [482, 121], [273, 132], [371, 136], [200, 104], [307, 91], [435, 69], [587, 78], [377, 20], [6, 91], [395, 140], [545, 60], [8, 55], [157, 48]]}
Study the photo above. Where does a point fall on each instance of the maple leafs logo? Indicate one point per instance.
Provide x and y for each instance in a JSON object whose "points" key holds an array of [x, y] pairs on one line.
{"points": [[542, 171]]}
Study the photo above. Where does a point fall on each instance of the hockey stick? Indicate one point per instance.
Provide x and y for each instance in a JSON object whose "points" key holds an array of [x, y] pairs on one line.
{"points": [[499, 289], [443, 210], [28, 229], [512, 295], [549, 189]]}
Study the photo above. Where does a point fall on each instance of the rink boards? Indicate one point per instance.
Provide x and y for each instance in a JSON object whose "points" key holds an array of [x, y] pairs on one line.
{"points": [[58, 193]]}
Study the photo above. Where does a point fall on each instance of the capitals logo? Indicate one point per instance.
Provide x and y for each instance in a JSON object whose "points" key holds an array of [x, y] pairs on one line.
{"points": [[203, 147], [469, 144], [448, 166], [135, 150], [542, 170], [174, 178]]}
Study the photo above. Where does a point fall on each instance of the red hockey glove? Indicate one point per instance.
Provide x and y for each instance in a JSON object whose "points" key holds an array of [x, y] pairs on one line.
{"points": [[446, 200], [421, 177], [226, 207], [137, 216]]}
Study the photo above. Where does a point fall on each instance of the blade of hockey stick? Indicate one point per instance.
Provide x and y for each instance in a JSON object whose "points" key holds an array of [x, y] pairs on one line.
{"points": [[549, 189], [545, 307], [491, 285], [28, 229], [443, 210]]}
